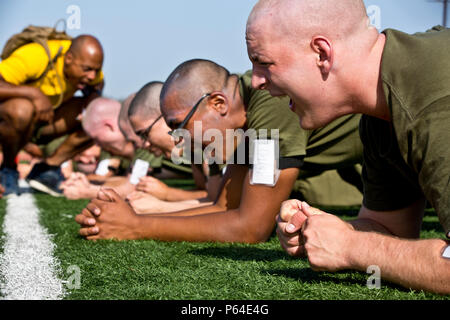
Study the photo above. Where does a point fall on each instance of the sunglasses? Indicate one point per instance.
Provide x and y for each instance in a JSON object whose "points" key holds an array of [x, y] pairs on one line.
{"points": [[143, 134], [189, 115]]}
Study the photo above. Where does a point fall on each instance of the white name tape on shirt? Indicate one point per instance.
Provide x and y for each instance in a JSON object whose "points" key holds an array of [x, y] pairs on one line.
{"points": [[446, 253], [264, 164], [102, 168], [140, 170]]}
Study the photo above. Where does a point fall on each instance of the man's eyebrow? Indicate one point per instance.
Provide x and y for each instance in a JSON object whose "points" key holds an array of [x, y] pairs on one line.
{"points": [[90, 67]]}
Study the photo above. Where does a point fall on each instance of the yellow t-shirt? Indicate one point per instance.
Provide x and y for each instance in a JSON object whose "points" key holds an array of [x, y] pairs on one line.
{"points": [[27, 63]]}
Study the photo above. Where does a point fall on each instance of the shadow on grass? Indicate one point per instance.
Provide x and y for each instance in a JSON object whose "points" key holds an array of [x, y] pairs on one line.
{"points": [[432, 226], [346, 277], [310, 276], [242, 254]]}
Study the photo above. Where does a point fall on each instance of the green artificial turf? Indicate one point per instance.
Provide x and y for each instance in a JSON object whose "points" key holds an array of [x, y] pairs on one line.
{"points": [[163, 270]]}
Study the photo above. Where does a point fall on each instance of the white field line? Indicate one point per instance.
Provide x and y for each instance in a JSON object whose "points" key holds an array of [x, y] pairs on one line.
{"points": [[28, 270]]}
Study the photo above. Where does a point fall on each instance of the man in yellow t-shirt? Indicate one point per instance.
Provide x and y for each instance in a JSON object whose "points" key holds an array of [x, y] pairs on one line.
{"points": [[30, 93]]}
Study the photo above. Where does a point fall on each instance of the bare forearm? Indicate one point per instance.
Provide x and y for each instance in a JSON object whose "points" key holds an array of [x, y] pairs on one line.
{"points": [[368, 225], [75, 143], [218, 227], [415, 264], [199, 209], [8, 91], [174, 206], [175, 194]]}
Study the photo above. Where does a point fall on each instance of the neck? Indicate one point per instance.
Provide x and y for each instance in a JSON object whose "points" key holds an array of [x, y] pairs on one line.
{"points": [[371, 100], [238, 110]]}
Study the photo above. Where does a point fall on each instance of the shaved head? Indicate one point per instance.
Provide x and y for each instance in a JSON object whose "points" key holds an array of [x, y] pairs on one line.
{"points": [[315, 52], [86, 44], [99, 112], [100, 122], [189, 81], [145, 113], [145, 104], [294, 19]]}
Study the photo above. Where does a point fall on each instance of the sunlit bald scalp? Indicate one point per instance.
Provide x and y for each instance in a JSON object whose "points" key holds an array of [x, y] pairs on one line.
{"points": [[98, 112], [88, 43], [146, 103], [190, 80], [303, 19]]}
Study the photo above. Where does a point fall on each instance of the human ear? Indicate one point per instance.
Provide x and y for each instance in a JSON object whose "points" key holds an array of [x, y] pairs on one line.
{"points": [[68, 58], [323, 47], [219, 102]]}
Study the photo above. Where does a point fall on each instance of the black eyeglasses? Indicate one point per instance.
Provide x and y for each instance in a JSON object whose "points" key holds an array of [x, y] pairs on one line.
{"points": [[143, 134], [190, 114]]}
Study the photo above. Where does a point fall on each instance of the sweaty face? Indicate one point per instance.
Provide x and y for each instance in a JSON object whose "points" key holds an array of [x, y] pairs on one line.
{"points": [[82, 68], [286, 68]]}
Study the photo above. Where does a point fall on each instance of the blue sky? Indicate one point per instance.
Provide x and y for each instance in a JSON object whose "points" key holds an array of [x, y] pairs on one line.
{"points": [[146, 40]]}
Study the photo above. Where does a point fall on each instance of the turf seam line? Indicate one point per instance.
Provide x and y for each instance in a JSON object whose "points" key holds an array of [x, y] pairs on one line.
{"points": [[28, 269]]}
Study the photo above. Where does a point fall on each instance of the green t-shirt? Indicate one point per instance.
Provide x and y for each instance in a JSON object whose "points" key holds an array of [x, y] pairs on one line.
{"points": [[334, 146], [123, 166], [182, 168], [145, 155], [408, 158]]}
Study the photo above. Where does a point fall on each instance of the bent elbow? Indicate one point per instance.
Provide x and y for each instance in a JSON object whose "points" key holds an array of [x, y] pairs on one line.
{"points": [[254, 236]]}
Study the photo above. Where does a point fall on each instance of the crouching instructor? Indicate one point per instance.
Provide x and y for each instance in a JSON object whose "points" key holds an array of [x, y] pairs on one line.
{"points": [[37, 103]]}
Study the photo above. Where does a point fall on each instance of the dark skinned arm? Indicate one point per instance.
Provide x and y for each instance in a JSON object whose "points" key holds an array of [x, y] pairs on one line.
{"points": [[252, 222], [44, 108], [229, 197]]}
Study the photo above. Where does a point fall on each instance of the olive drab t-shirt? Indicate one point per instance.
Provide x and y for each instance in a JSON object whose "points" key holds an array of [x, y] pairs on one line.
{"points": [[409, 157], [334, 146]]}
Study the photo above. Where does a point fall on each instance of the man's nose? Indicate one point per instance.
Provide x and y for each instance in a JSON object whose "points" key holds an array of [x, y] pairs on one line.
{"points": [[259, 81], [91, 75]]}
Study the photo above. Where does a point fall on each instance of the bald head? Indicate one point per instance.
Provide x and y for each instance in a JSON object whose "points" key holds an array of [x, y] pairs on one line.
{"points": [[99, 112], [303, 19], [86, 45], [100, 122], [190, 80], [315, 51]]}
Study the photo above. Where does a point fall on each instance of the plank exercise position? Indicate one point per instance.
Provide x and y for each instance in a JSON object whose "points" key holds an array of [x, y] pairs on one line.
{"points": [[330, 61], [200, 92]]}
